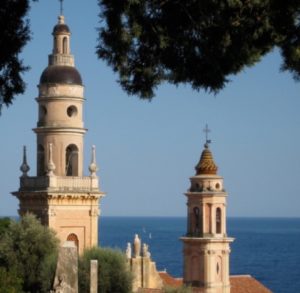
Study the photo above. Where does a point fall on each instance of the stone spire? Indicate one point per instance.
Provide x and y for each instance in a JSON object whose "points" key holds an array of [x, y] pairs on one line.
{"points": [[93, 168], [24, 167]]}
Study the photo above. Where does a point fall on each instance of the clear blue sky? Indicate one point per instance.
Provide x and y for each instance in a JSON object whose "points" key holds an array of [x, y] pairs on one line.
{"points": [[147, 151]]}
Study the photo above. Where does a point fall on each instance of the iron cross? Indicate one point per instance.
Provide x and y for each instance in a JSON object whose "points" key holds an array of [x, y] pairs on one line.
{"points": [[206, 130], [61, 7]]}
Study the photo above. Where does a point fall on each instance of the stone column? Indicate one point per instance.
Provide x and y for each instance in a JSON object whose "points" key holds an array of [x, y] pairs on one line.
{"points": [[94, 276]]}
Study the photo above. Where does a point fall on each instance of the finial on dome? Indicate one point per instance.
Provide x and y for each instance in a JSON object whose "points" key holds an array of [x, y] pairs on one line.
{"points": [[61, 7], [50, 165], [207, 141], [93, 168], [206, 165], [24, 167]]}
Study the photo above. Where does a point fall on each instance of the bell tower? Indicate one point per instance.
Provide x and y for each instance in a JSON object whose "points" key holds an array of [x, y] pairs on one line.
{"points": [[206, 245], [59, 194]]}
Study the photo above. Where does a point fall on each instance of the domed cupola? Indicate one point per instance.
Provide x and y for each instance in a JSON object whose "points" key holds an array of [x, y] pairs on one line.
{"points": [[206, 165], [61, 27], [61, 74], [61, 68]]}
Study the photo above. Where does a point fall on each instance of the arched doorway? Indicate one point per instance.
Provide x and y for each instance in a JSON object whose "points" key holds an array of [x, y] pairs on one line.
{"points": [[73, 237]]}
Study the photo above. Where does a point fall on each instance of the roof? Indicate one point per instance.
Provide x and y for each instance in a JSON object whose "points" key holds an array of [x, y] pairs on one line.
{"points": [[168, 280], [61, 74], [247, 284], [206, 165], [239, 284], [60, 28]]}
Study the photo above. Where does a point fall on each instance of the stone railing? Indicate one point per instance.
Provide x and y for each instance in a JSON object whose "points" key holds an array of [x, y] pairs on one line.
{"points": [[59, 183]]}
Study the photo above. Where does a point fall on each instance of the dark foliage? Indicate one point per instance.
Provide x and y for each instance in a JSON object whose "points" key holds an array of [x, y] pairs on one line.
{"points": [[14, 35], [200, 43]]}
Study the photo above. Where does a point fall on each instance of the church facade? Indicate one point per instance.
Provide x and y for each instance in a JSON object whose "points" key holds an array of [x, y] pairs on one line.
{"points": [[60, 195]]}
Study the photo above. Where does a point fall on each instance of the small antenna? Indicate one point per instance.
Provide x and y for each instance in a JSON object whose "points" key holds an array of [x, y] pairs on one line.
{"points": [[206, 130], [61, 7]]}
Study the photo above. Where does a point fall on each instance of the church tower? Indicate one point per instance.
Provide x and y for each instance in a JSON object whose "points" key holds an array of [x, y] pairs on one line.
{"points": [[206, 245], [59, 195]]}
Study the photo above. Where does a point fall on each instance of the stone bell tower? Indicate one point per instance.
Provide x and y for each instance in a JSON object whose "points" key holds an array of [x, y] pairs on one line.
{"points": [[59, 194], [206, 245]]}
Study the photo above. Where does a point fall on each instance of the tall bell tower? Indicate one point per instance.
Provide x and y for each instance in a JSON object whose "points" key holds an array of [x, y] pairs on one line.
{"points": [[59, 194], [206, 245]]}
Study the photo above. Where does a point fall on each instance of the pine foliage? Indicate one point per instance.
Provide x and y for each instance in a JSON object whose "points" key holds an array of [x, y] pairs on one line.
{"points": [[15, 33], [201, 43]]}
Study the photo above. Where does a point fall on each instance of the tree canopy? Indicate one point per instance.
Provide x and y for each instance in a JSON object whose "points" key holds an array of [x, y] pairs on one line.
{"points": [[15, 33], [148, 42], [113, 273], [28, 253], [202, 43]]}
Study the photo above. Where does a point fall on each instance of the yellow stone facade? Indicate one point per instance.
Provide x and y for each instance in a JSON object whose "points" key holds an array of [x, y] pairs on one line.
{"points": [[60, 195]]}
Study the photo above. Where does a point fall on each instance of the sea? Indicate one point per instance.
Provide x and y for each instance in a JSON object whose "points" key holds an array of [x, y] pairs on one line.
{"points": [[265, 248]]}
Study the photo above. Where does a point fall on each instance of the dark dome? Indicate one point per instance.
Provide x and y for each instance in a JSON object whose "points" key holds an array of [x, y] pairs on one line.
{"points": [[61, 28], [61, 74]]}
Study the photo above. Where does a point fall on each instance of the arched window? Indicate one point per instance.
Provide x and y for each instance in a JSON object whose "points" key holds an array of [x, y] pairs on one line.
{"points": [[219, 273], [72, 160], [55, 46], [65, 45], [73, 237], [40, 160], [218, 221], [208, 220], [197, 221]]}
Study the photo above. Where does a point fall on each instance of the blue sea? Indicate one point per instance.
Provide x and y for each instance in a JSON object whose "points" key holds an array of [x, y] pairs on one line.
{"points": [[266, 248]]}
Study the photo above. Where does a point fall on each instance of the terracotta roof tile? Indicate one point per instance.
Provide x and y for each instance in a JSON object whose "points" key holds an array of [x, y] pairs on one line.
{"points": [[247, 284], [168, 280], [239, 284]]}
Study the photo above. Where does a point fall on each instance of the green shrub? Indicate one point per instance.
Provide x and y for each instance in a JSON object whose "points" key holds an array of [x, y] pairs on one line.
{"points": [[113, 273], [29, 250], [9, 281]]}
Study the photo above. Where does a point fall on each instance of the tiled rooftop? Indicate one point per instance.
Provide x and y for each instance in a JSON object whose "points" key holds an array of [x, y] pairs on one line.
{"points": [[247, 284], [239, 284]]}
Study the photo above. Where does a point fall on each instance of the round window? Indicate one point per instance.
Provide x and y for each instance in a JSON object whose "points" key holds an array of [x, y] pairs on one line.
{"points": [[72, 111]]}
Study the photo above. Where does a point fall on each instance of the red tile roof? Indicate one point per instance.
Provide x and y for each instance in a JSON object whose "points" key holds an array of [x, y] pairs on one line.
{"points": [[239, 284], [247, 284], [169, 281]]}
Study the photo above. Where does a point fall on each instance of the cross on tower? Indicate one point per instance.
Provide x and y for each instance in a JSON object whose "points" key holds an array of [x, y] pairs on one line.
{"points": [[61, 7], [206, 130]]}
